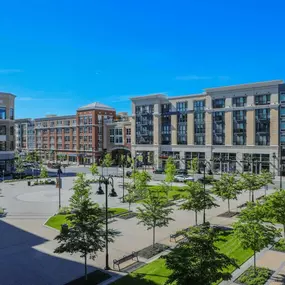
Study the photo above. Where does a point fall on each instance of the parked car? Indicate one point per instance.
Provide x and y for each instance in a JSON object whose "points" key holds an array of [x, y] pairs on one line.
{"points": [[181, 172], [158, 171], [183, 178]]}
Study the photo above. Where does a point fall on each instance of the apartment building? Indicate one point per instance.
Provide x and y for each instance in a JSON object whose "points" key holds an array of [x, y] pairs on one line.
{"points": [[7, 137], [25, 135], [232, 128], [82, 138]]}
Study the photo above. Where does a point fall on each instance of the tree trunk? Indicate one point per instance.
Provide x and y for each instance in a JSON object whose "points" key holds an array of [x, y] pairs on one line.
{"points": [[252, 196], [196, 218], [229, 207], [249, 194], [153, 236], [254, 262], [85, 260]]}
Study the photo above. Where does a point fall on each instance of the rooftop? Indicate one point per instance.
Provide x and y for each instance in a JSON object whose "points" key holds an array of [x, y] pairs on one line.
{"points": [[96, 106]]}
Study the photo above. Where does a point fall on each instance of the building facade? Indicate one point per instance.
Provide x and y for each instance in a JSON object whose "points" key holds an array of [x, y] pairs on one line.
{"points": [[25, 135], [233, 128], [7, 136], [81, 138]]}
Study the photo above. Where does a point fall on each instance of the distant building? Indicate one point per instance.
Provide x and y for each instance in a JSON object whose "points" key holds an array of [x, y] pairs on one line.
{"points": [[25, 135], [7, 137]]}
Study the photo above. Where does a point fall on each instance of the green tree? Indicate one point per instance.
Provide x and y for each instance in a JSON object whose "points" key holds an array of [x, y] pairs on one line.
{"points": [[107, 161], [140, 180], [274, 208], [170, 170], [94, 169], [251, 230], [194, 165], [250, 182], [197, 260], [227, 188], [131, 196], [19, 165], [33, 156], [86, 234], [154, 212], [266, 178], [198, 199], [44, 172]]}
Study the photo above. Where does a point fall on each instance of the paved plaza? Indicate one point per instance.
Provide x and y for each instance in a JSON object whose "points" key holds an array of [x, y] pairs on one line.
{"points": [[26, 248]]}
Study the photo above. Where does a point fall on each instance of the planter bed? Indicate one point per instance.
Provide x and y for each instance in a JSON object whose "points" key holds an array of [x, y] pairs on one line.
{"points": [[228, 214], [127, 216], [249, 278], [151, 251]]}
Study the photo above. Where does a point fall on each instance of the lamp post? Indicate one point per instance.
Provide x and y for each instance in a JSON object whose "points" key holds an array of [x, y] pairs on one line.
{"points": [[59, 172], [124, 162], [3, 174], [204, 184], [107, 181]]}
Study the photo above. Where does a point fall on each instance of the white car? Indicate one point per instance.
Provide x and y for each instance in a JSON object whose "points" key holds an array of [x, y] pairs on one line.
{"points": [[183, 178]]}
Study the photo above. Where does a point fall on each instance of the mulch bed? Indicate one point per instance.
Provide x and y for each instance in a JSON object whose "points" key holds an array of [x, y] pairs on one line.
{"points": [[151, 251], [228, 214], [127, 216]]}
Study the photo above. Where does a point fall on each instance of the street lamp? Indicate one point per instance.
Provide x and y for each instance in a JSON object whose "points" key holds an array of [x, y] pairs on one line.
{"points": [[3, 174], [203, 164], [280, 169], [107, 181], [59, 172]]}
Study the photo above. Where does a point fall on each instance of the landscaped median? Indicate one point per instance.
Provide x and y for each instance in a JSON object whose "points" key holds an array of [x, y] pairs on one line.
{"points": [[157, 273], [57, 220]]}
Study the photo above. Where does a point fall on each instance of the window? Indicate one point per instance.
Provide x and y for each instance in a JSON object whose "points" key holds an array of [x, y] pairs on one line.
{"points": [[262, 99], [119, 140], [112, 132], [12, 145], [282, 97], [112, 140], [66, 130], [2, 113], [199, 105], [11, 114], [239, 101], [2, 130], [118, 132], [59, 123], [59, 131], [218, 103], [66, 146], [11, 131], [218, 128], [282, 112], [128, 132], [282, 126], [165, 108], [181, 106], [128, 140], [67, 138]]}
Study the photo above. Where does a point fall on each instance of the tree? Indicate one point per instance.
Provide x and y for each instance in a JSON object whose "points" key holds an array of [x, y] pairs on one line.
{"points": [[194, 165], [227, 188], [170, 170], [33, 156], [140, 180], [266, 178], [197, 199], [251, 182], [274, 207], [154, 212], [44, 172], [197, 260], [107, 161], [94, 169], [251, 230], [19, 165], [86, 234], [131, 196]]}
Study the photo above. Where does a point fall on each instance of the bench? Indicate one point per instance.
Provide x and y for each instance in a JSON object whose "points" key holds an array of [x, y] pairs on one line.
{"points": [[124, 259], [178, 234]]}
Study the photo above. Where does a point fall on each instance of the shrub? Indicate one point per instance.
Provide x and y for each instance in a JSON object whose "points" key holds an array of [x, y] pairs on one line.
{"points": [[280, 245], [64, 211], [250, 278]]}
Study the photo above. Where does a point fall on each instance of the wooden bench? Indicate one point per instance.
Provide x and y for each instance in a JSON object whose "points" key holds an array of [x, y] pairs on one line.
{"points": [[178, 234], [124, 259]]}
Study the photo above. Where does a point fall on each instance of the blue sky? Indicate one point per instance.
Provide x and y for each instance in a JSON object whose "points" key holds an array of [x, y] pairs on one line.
{"points": [[58, 55]]}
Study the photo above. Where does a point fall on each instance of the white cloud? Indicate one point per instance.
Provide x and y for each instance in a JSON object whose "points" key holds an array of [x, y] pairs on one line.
{"points": [[9, 71], [192, 77]]}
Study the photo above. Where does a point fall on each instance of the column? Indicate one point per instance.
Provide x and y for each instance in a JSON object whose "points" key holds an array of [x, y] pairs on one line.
{"points": [[208, 127], [174, 129], [190, 129], [228, 128], [156, 125], [274, 124], [250, 128]]}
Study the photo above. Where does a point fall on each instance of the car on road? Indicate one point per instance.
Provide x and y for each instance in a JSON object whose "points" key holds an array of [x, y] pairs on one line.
{"points": [[181, 172], [158, 171], [183, 178]]}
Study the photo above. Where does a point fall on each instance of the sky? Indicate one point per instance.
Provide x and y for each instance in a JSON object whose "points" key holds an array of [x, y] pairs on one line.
{"points": [[58, 55]]}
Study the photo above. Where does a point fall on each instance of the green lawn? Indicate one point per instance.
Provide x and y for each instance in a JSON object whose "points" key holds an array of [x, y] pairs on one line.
{"points": [[175, 190], [155, 273], [57, 220]]}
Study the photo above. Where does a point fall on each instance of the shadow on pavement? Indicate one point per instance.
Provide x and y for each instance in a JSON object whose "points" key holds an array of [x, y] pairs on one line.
{"points": [[23, 264]]}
